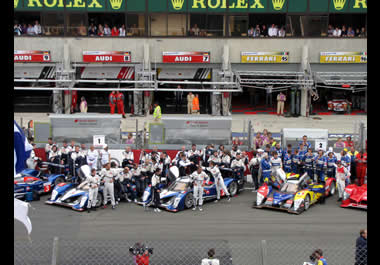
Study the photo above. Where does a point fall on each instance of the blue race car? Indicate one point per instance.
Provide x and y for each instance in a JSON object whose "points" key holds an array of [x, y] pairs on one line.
{"points": [[179, 195]]}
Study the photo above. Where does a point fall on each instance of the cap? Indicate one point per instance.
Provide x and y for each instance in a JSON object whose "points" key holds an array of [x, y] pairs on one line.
{"points": [[260, 150]]}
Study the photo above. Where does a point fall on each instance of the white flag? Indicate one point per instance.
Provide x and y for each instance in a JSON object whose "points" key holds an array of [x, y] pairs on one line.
{"points": [[21, 214]]}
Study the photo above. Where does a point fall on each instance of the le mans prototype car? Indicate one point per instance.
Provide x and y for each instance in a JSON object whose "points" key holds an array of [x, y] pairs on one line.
{"points": [[355, 196], [295, 195], [179, 195], [339, 105]]}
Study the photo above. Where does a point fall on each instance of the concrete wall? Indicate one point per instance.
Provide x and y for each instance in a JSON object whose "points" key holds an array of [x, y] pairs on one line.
{"points": [[214, 45]]}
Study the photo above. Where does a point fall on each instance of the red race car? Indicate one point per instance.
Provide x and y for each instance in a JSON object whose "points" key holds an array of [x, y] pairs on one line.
{"points": [[339, 105], [355, 196]]}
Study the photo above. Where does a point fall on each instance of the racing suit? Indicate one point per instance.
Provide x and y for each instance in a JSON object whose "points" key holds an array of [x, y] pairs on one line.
{"points": [[341, 175], [254, 166], [198, 180], [280, 152], [346, 161], [182, 166], [218, 180], [331, 164], [320, 166], [128, 184], [215, 159], [155, 190], [238, 168], [266, 169], [94, 183], [308, 159], [104, 155], [210, 261], [287, 163], [361, 167], [92, 158], [108, 178], [136, 176], [226, 160], [276, 164], [194, 156], [128, 158], [301, 166], [146, 173]]}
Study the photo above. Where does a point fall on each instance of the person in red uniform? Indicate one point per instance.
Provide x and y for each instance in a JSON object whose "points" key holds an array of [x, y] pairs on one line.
{"points": [[361, 166], [112, 100], [74, 100], [120, 103], [348, 142]]}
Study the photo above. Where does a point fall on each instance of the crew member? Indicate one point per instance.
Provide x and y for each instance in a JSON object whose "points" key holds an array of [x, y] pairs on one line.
{"points": [[157, 112], [48, 146], [194, 155], [92, 157], [305, 144], [210, 260], [320, 166], [288, 161], [112, 101], [74, 160], [341, 175], [107, 175], [183, 164], [331, 165], [218, 179], [238, 167], [215, 158], [136, 176], [105, 156], [120, 103], [279, 151], [129, 184], [196, 109], [345, 159], [65, 150], [308, 160], [54, 157], [266, 168], [296, 162], [156, 189], [93, 183], [198, 177], [128, 157], [190, 98], [276, 164], [254, 166], [74, 100], [234, 151], [225, 159], [353, 153], [361, 166]]}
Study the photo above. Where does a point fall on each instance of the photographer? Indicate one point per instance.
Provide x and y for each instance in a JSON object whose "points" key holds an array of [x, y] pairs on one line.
{"points": [[210, 260], [317, 258], [140, 254]]}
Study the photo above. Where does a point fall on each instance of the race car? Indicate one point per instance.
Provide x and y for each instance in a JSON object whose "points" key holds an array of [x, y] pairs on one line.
{"points": [[355, 196], [339, 105], [295, 195], [179, 195]]}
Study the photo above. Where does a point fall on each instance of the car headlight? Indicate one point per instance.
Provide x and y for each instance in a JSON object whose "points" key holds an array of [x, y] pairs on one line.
{"points": [[54, 195], [346, 195], [259, 199], [176, 202], [297, 203]]}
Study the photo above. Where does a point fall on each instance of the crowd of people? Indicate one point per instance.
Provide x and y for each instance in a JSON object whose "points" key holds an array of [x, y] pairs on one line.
{"points": [[345, 31], [115, 31], [27, 29], [264, 31]]}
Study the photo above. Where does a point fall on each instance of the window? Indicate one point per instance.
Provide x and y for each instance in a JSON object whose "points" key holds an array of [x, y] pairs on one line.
{"points": [[158, 25], [176, 25], [135, 24], [206, 25], [76, 24], [238, 26], [102, 24], [24, 23], [314, 26], [293, 26], [270, 25], [346, 23]]}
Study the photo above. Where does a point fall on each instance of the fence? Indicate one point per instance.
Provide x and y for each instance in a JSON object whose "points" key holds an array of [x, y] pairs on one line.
{"points": [[360, 135], [240, 252]]}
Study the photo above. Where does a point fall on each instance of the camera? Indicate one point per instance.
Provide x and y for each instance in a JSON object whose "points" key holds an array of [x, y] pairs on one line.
{"points": [[313, 257], [139, 250]]}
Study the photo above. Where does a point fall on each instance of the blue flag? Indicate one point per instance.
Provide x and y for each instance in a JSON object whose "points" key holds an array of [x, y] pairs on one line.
{"points": [[22, 148]]}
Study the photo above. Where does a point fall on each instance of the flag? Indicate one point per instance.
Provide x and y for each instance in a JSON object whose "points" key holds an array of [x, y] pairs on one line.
{"points": [[22, 148], [21, 214]]}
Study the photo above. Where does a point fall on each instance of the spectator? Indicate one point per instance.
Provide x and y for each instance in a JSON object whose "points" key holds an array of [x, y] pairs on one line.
{"points": [[92, 30], [330, 31], [236, 141], [357, 33], [114, 32], [264, 31], [122, 31], [100, 30], [24, 28], [344, 31], [258, 141], [130, 139], [281, 32], [273, 31], [251, 32], [82, 30], [339, 143], [92, 26], [353, 153], [257, 31], [350, 32], [107, 30], [320, 258], [363, 33], [134, 30], [210, 260], [337, 32], [37, 28], [83, 105], [196, 109], [281, 98], [348, 142], [361, 248], [195, 30], [17, 29], [30, 30], [265, 137]]}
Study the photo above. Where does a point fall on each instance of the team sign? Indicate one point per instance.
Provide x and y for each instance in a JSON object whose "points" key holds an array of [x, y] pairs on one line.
{"points": [[106, 57], [343, 57], [31, 56], [265, 57], [186, 57]]}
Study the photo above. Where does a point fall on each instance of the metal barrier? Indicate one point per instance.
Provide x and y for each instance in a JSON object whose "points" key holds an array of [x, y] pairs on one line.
{"points": [[181, 252]]}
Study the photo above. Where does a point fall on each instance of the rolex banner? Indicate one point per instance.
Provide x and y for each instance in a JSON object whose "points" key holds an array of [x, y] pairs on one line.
{"points": [[186, 57], [106, 57], [31, 56], [265, 57], [343, 57]]}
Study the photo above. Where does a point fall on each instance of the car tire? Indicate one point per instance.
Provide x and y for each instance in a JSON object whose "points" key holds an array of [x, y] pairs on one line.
{"points": [[58, 181], [233, 188], [99, 199], [333, 188], [307, 202], [36, 196], [188, 201]]}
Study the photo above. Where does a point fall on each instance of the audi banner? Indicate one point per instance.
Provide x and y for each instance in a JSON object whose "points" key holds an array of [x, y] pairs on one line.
{"points": [[31, 56], [186, 57], [106, 57]]}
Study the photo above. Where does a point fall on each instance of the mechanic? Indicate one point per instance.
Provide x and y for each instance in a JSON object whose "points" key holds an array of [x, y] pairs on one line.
{"points": [[183, 165], [234, 151], [82, 155], [74, 160], [341, 175], [207, 153], [245, 158], [221, 150], [238, 167], [254, 166], [128, 157], [72, 145], [304, 145], [308, 160], [54, 157], [288, 161], [105, 156], [128, 184], [146, 173], [165, 159], [215, 158], [93, 182], [156, 190], [279, 151], [92, 157], [210, 260], [353, 153], [320, 166], [107, 175], [267, 151], [112, 101], [260, 153], [198, 177], [65, 150], [276, 164], [48, 146], [296, 162], [120, 103], [266, 168], [143, 156], [345, 159], [136, 176], [331, 165], [218, 180], [194, 155], [361, 168], [225, 159]]}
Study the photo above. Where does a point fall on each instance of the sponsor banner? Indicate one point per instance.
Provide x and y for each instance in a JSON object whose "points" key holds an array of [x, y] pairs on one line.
{"points": [[106, 57], [265, 57], [31, 56], [343, 57], [189, 74], [35, 71], [125, 73], [186, 57]]}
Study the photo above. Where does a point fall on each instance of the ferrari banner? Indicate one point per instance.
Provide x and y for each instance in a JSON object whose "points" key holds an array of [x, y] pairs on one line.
{"points": [[31, 56], [343, 57], [106, 57], [265, 57], [186, 57]]}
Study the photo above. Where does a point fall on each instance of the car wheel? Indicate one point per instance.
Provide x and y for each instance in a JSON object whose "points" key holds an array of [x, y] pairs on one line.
{"points": [[59, 180], [233, 188], [307, 202], [333, 188], [99, 199], [189, 200]]}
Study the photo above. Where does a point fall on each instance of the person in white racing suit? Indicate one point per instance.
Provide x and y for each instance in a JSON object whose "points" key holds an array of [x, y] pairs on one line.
{"points": [[156, 190], [341, 175], [238, 166], [218, 179], [92, 157], [276, 164], [93, 182], [107, 174], [198, 177], [105, 156]]}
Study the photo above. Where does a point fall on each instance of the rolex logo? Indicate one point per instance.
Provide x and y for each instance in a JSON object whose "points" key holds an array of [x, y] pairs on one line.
{"points": [[339, 4], [116, 4], [16, 3], [177, 4], [278, 4]]}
